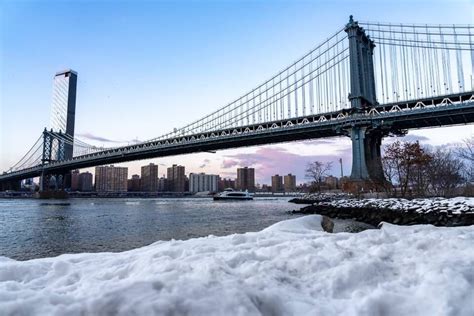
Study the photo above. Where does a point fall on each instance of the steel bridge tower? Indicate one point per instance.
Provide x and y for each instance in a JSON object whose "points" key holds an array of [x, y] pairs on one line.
{"points": [[366, 139]]}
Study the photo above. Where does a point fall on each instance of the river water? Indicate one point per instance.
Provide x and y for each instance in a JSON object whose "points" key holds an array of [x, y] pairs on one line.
{"points": [[32, 228]]}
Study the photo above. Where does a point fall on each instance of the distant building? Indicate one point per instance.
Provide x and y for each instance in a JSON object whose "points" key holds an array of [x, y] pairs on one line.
{"points": [[134, 183], [226, 183], [149, 180], [186, 184], [111, 179], [81, 181], [264, 188], [85, 182], [75, 180], [176, 179], [163, 184], [331, 182], [202, 182], [277, 183], [245, 179], [289, 183]]}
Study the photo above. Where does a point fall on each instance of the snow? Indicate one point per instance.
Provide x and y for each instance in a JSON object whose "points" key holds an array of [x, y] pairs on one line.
{"points": [[290, 268], [457, 205]]}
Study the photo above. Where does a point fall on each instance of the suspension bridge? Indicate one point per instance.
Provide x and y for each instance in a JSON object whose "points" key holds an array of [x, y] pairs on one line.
{"points": [[367, 81]]}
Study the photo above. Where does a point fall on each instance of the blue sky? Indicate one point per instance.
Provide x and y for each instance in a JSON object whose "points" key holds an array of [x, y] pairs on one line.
{"points": [[148, 66]]}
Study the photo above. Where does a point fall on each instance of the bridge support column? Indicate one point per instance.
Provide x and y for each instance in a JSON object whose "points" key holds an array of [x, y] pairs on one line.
{"points": [[366, 156], [367, 172]]}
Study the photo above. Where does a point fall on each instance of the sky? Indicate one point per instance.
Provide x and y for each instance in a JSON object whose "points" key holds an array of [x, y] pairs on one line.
{"points": [[146, 67]]}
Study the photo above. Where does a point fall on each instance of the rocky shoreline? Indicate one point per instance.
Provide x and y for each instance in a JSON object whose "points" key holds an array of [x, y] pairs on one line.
{"points": [[436, 211]]}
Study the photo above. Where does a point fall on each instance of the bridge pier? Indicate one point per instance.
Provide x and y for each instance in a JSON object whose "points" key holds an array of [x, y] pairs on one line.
{"points": [[367, 171], [52, 186]]}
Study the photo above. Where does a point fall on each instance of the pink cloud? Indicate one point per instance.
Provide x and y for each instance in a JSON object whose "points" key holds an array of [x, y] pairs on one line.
{"points": [[229, 163], [269, 161]]}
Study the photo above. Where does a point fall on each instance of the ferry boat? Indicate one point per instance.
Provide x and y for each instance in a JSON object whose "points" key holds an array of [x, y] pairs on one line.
{"points": [[230, 194]]}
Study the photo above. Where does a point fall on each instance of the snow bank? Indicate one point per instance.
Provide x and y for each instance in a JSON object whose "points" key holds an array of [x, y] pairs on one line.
{"points": [[290, 268]]}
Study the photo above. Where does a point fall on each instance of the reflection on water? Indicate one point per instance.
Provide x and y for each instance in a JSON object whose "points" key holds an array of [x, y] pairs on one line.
{"points": [[32, 228]]}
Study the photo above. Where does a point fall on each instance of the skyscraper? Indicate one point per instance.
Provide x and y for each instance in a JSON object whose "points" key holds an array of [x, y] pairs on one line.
{"points": [[149, 180], [63, 108], [176, 178], [245, 179], [111, 179], [203, 182], [277, 183], [290, 183]]}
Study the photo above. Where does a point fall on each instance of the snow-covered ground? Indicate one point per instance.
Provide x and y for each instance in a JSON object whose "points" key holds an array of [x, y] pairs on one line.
{"points": [[456, 205], [290, 268]]}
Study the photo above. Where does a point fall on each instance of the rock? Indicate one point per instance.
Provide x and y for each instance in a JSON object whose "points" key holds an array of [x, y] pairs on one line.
{"points": [[396, 211], [327, 224]]}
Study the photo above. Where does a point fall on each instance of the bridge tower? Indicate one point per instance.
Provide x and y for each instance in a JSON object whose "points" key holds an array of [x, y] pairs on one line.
{"points": [[366, 139]]}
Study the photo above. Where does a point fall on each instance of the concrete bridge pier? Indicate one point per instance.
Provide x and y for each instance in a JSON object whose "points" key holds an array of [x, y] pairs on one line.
{"points": [[367, 171]]}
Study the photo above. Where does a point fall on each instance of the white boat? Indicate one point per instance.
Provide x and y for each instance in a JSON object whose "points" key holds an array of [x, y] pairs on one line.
{"points": [[230, 194]]}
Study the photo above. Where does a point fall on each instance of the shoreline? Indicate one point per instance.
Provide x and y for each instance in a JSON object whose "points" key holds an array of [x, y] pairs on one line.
{"points": [[452, 212]]}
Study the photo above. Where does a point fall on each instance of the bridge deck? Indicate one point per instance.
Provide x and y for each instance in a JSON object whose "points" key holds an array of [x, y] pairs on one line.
{"points": [[440, 111]]}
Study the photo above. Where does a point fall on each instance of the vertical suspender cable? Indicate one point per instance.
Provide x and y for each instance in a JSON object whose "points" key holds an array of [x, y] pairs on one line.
{"points": [[459, 61], [311, 87]]}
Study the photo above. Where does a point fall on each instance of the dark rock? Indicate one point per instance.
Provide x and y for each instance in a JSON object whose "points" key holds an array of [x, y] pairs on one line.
{"points": [[327, 224]]}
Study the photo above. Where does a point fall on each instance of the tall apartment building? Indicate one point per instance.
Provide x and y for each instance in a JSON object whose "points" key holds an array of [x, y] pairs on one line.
{"points": [[81, 181], [111, 179], [245, 179], [289, 182], [149, 180], [277, 183], [176, 178], [202, 182], [133, 184]]}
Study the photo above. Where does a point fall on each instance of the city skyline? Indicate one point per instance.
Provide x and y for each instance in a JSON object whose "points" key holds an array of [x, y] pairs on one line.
{"points": [[102, 103]]}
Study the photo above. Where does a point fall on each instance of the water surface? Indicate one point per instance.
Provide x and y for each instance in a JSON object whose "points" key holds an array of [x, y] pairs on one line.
{"points": [[32, 228]]}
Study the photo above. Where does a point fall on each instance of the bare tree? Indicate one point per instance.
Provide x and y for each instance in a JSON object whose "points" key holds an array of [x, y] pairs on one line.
{"points": [[407, 163], [466, 153], [316, 170], [445, 172]]}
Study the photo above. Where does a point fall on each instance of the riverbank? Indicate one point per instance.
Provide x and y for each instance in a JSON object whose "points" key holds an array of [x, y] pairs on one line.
{"points": [[435, 211]]}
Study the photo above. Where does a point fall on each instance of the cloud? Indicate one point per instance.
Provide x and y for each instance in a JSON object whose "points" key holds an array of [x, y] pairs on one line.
{"points": [[269, 161], [205, 163], [229, 163]]}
